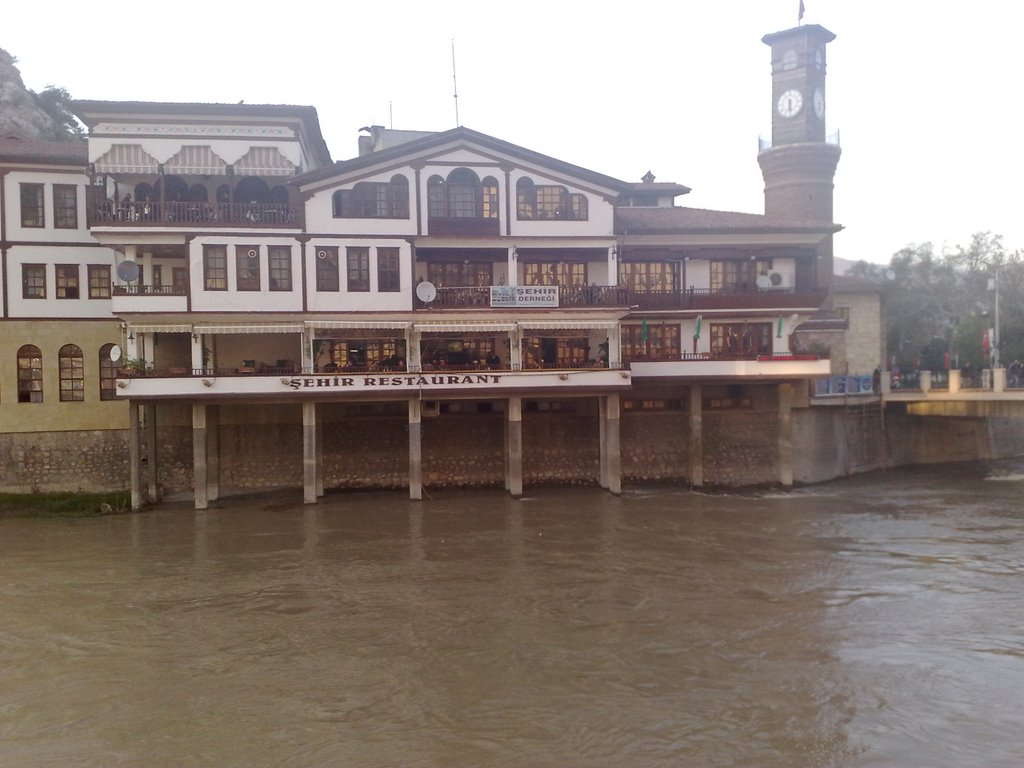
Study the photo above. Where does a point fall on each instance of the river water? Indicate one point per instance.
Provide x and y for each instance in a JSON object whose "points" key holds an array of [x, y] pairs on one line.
{"points": [[875, 621]]}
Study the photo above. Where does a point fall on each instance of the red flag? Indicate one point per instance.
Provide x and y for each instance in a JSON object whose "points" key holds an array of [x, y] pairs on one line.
{"points": [[800, 16]]}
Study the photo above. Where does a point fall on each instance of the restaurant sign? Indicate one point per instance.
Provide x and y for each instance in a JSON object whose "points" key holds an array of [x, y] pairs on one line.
{"points": [[389, 381], [524, 295]]}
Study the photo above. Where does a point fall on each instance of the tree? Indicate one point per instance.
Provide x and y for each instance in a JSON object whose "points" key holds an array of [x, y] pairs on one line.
{"points": [[54, 101], [943, 303]]}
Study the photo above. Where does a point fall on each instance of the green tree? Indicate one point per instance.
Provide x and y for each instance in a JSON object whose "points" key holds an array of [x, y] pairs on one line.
{"points": [[939, 303], [55, 102]]}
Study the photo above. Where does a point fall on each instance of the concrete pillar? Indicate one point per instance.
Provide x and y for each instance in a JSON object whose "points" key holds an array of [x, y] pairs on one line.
{"points": [[611, 458], [319, 459], [954, 381], [885, 382], [696, 437], [213, 452], [134, 456], [998, 379], [513, 269], [514, 447], [197, 352], [615, 347], [199, 477], [309, 453], [786, 434], [415, 449], [602, 438], [151, 475]]}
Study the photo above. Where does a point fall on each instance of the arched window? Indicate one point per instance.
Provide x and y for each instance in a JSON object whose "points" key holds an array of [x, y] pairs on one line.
{"points": [[549, 202], [526, 200], [175, 190], [197, 193], [144, 193], [72, 373], [224, 193], [252, 189], [489, 195], [279, 194], [30, 374], [464, 195], [374, 200], [108, 374]]}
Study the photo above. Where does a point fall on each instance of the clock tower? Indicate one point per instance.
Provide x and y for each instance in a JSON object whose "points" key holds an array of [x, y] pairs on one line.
{"points": [[800, 164]]}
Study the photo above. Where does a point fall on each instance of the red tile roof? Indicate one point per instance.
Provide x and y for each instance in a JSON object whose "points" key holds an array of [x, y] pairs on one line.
{"points": [[636, 221], [15, 150]]}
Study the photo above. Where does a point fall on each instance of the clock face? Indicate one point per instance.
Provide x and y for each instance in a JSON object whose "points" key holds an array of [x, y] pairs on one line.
{"points": [[819, 103], [790, 103]]}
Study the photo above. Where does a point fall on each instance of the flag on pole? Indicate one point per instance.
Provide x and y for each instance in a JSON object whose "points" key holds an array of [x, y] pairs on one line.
{"points": [[800, 15]]}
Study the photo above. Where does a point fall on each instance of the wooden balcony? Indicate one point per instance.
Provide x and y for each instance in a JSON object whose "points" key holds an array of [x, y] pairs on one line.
{"points": [[478, 227], [106, 213], [729, 298], [569, 296]]}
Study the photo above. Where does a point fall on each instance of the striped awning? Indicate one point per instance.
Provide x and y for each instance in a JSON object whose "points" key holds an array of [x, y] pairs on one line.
{"points": [[264, 161], [465, 327], [126, 158], [196, 160], [568, 324], [161, 328], [252, 328], [394, 325]]}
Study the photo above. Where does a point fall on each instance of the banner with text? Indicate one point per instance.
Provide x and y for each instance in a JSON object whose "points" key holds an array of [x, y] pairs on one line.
{"points": [[524, 295]]}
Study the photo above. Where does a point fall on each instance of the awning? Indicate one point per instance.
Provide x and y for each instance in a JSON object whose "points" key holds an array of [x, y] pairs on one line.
{"points": [[569, 325], [126, 158], [153, 328], [264, 161], [465, 327], [196, 161], [252, 328], [394, 325]]}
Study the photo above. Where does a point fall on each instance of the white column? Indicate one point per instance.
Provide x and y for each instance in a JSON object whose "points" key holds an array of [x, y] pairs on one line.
{"points": [[786, 434], [615, 347], [213, 452], [151, 459], [415, 449], [513, 266], [610, 448], [514, 447], [309, 453], [134, 456], [696, 437], [199, 477]]}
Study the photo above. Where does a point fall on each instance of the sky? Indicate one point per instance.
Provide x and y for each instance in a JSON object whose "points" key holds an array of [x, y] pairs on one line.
{"points": [[925, 94]]}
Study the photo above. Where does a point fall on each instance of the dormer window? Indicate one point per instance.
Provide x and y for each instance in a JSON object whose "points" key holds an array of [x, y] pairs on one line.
{"points": [[374, 200], [549, 202], [462, 204]]}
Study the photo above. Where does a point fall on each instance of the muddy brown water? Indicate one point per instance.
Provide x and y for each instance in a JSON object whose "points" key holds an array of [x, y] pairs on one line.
{"points": [[875, 621]]}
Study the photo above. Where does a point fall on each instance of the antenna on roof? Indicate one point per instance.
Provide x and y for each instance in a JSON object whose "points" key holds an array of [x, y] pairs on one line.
{"points": [[455, 84], [391, 115]]}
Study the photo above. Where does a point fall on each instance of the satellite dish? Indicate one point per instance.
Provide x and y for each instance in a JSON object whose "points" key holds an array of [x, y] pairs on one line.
{"points": [[426, 292], [890, 275], [115, 353], [128, 271]]}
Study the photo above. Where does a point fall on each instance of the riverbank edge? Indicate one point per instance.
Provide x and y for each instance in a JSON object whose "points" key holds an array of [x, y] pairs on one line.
{"points": [[64, 505]]}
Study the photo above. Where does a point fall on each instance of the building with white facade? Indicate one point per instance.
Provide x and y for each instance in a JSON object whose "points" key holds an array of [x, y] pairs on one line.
{"points": [[442, 309]]}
